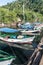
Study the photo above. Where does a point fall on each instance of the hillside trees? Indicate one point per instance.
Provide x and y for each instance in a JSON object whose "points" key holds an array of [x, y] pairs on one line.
{"points": [[33, 9]]}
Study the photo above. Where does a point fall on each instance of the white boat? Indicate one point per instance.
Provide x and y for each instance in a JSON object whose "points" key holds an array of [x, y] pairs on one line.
{"points": [[7, 62], [20, 39], [30, 32]]}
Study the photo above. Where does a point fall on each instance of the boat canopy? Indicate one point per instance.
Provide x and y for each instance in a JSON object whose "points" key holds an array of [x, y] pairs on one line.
{"points": [[8, 30], [27, 23], [27, 26]]}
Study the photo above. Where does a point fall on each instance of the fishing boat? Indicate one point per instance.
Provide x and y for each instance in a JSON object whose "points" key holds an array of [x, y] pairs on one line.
{"points": [[31, 32], [29, 29], [7, 32], [8, 35], [21, 39], [6, 58], [27, 26]]}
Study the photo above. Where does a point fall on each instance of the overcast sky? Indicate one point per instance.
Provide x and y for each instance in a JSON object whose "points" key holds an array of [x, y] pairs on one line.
{"points": [[4, 2]]}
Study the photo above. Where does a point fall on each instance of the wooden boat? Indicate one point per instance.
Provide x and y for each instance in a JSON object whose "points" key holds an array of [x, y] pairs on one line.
{"points": [[31, 32], [8, 35], [7, 32], [6, 58], [20, 39]]}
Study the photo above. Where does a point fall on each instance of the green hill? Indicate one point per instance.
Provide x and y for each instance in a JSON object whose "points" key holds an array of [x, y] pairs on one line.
{"points": [[33, 9]]}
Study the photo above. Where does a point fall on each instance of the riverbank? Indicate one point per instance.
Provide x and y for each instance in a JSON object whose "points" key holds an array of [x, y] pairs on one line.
{"points": [[13, 25]]}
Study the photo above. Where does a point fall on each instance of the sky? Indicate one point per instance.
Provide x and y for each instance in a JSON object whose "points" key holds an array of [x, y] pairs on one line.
{"points": [[4, 2]]}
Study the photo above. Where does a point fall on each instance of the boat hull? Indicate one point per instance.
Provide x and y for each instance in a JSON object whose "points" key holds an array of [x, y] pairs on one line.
{"points": [[7, 62], [18, 41], [31, 32]]}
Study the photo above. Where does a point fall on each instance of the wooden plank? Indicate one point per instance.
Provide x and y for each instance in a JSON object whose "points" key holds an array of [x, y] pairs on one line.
{"points": [[32, 57], [22, 46], [37, 58], [41, 62], [35, 53]]}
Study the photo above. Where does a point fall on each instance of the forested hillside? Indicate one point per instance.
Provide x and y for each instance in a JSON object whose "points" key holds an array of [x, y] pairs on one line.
{"points": [[32, 9], [35, 5]]}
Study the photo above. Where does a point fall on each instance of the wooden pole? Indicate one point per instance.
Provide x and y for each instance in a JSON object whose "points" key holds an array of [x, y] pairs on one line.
{"points": [[36, 55]]}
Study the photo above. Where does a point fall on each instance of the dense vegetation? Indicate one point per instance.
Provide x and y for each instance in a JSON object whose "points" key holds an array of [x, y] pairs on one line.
{"points": [[33, 10]]}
